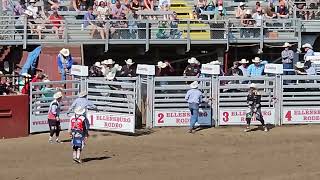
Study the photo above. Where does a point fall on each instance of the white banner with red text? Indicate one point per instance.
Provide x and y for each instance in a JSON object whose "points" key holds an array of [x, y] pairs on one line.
{"points": [[111, 121], [229, 116], [295, 115], [39, 123], [181, 117]]}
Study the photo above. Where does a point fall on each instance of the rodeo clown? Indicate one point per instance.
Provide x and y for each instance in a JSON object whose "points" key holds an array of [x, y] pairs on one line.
{"points": [[78, 132], [53, 117], [254, 107]]}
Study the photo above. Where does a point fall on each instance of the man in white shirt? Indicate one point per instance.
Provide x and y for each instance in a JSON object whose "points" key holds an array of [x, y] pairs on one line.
{"points": [[244, 67], [258, 17]]}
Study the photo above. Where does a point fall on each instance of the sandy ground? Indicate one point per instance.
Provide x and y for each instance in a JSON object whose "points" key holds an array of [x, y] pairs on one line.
{"points": [[285, 153]]}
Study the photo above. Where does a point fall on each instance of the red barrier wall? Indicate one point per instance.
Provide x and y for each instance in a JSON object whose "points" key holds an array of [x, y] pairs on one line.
{"points": [[14, 116]]}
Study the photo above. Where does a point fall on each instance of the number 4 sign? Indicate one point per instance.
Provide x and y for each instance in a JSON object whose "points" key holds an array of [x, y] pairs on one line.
{"points": [[293, 115]]}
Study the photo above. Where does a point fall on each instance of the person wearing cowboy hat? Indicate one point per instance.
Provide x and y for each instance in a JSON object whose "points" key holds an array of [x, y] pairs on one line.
{"points": [[254, 107], [194, 98], [193, 68], [53, 117], [83, 102], [78, 132], [65, 61], [25, 83], [128, 69], [164, 68], [308, 51], [244, 67], [96, 70], [305, 69], [287, 56], [108, 65], [240, 12], [257, 68]]}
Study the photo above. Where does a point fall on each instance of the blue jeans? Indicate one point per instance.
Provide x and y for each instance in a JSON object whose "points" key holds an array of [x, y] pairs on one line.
{"points": [[63, 75], [288, 66], [194, 109]]}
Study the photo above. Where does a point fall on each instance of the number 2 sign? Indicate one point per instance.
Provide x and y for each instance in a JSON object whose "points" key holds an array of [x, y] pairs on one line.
{"points": [[160, 118]]}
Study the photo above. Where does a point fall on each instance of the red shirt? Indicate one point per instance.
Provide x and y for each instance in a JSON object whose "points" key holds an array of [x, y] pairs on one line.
{"points": [[56, 20]]}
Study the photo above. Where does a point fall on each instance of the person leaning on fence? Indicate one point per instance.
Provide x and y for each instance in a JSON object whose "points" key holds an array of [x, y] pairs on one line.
{"points": [[193, 69], [305, 69], [128, 70], [244, 67], [65, 61], [78, 132], [254, 107], [175, 33], [107, 66], [257, 68], [308, 49], [164, 69], [194, 98], [247, 21], [96, 70], [53, 117], [287, 56]]}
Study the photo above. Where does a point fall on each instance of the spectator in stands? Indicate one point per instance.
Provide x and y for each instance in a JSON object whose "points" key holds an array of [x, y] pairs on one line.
{"points": [[258, 17], [257, 68], [95, 70], [240, 12], [210, 5], [18, 8], [302, 69], [164, 5], [118, 10], [175, 33], [247, 22], [90, 23], [219, 16], [162, 30], [164, 69], [270, 12], [4, 86], [234, 70], [283, 11], [57, 21], [25, 89], [51, 4], [244, 67], [201, 6], [148, 4], [308, 51], [64, 61], [258, 5], [135, 6], [287, 56], [75, 5], [224, 11], [33, 8], [128, 70], [193, 69], [103, 11]]}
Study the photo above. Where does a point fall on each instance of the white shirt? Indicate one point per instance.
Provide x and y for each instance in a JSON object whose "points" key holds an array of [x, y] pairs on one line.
{"points": [[164, 3], [258, 17], [244, 70]]}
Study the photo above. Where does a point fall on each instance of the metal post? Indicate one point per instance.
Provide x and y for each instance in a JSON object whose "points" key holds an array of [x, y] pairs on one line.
{"points": [[215, 100], [227, 34], [150, 102], [107, 29], [65, 32], [147, 36], [82, 54], [1, 8], [278, 102], [25, 35], [188, 36], [261, 35], [299, 28]]}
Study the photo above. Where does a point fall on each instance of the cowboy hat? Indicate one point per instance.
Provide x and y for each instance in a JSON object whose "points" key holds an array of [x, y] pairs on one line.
{"points": [[109, 61], [28, 12], [194, 85], [65, 52], [79, 110], [242, 4], [243, 61], [286, 44], [192, 60], [162, 64], [32, 1], [98, 64], [253, 85], [256, 60], [1, 73], [117, 67], [82, 94], [111, 75], [104, 62], [57, 95], [299, 65], [129, 61], [26, 75], [307, 45], [215, 62], [248, 11]]}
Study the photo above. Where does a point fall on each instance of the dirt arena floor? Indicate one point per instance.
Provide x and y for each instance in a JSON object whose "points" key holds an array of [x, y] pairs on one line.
{"points": [[285, 153]]}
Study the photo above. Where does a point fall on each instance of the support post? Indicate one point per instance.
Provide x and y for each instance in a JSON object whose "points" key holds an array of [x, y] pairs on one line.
{"points": [[188, 37], [107, 30], [215, 100], [147, 36], [150, 102], [25, 34], [65, 35], [278, 102], [261, 36]]}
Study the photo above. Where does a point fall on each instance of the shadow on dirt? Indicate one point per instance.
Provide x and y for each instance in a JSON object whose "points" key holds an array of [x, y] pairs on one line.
{"points": [[260, 128], [96, 158]]}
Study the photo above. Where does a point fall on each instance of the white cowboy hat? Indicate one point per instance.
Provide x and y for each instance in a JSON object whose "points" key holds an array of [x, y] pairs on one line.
{"points": [[111, 75], [307, 45], [129, 61], [1, 73], [32, 1], [104, 62], [65, 52], [299, 65], [82, 94], [98, 64], [161, 64], [243, 61], [109, 61], [46, 80], [242, 4], [26, 75], [79, 110], [28, 12], [57, 95], [248, 11], [286, 44], [215, 62], [256, 60], [253, 85], [194, 85], [192, 60], [117, 67]]}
